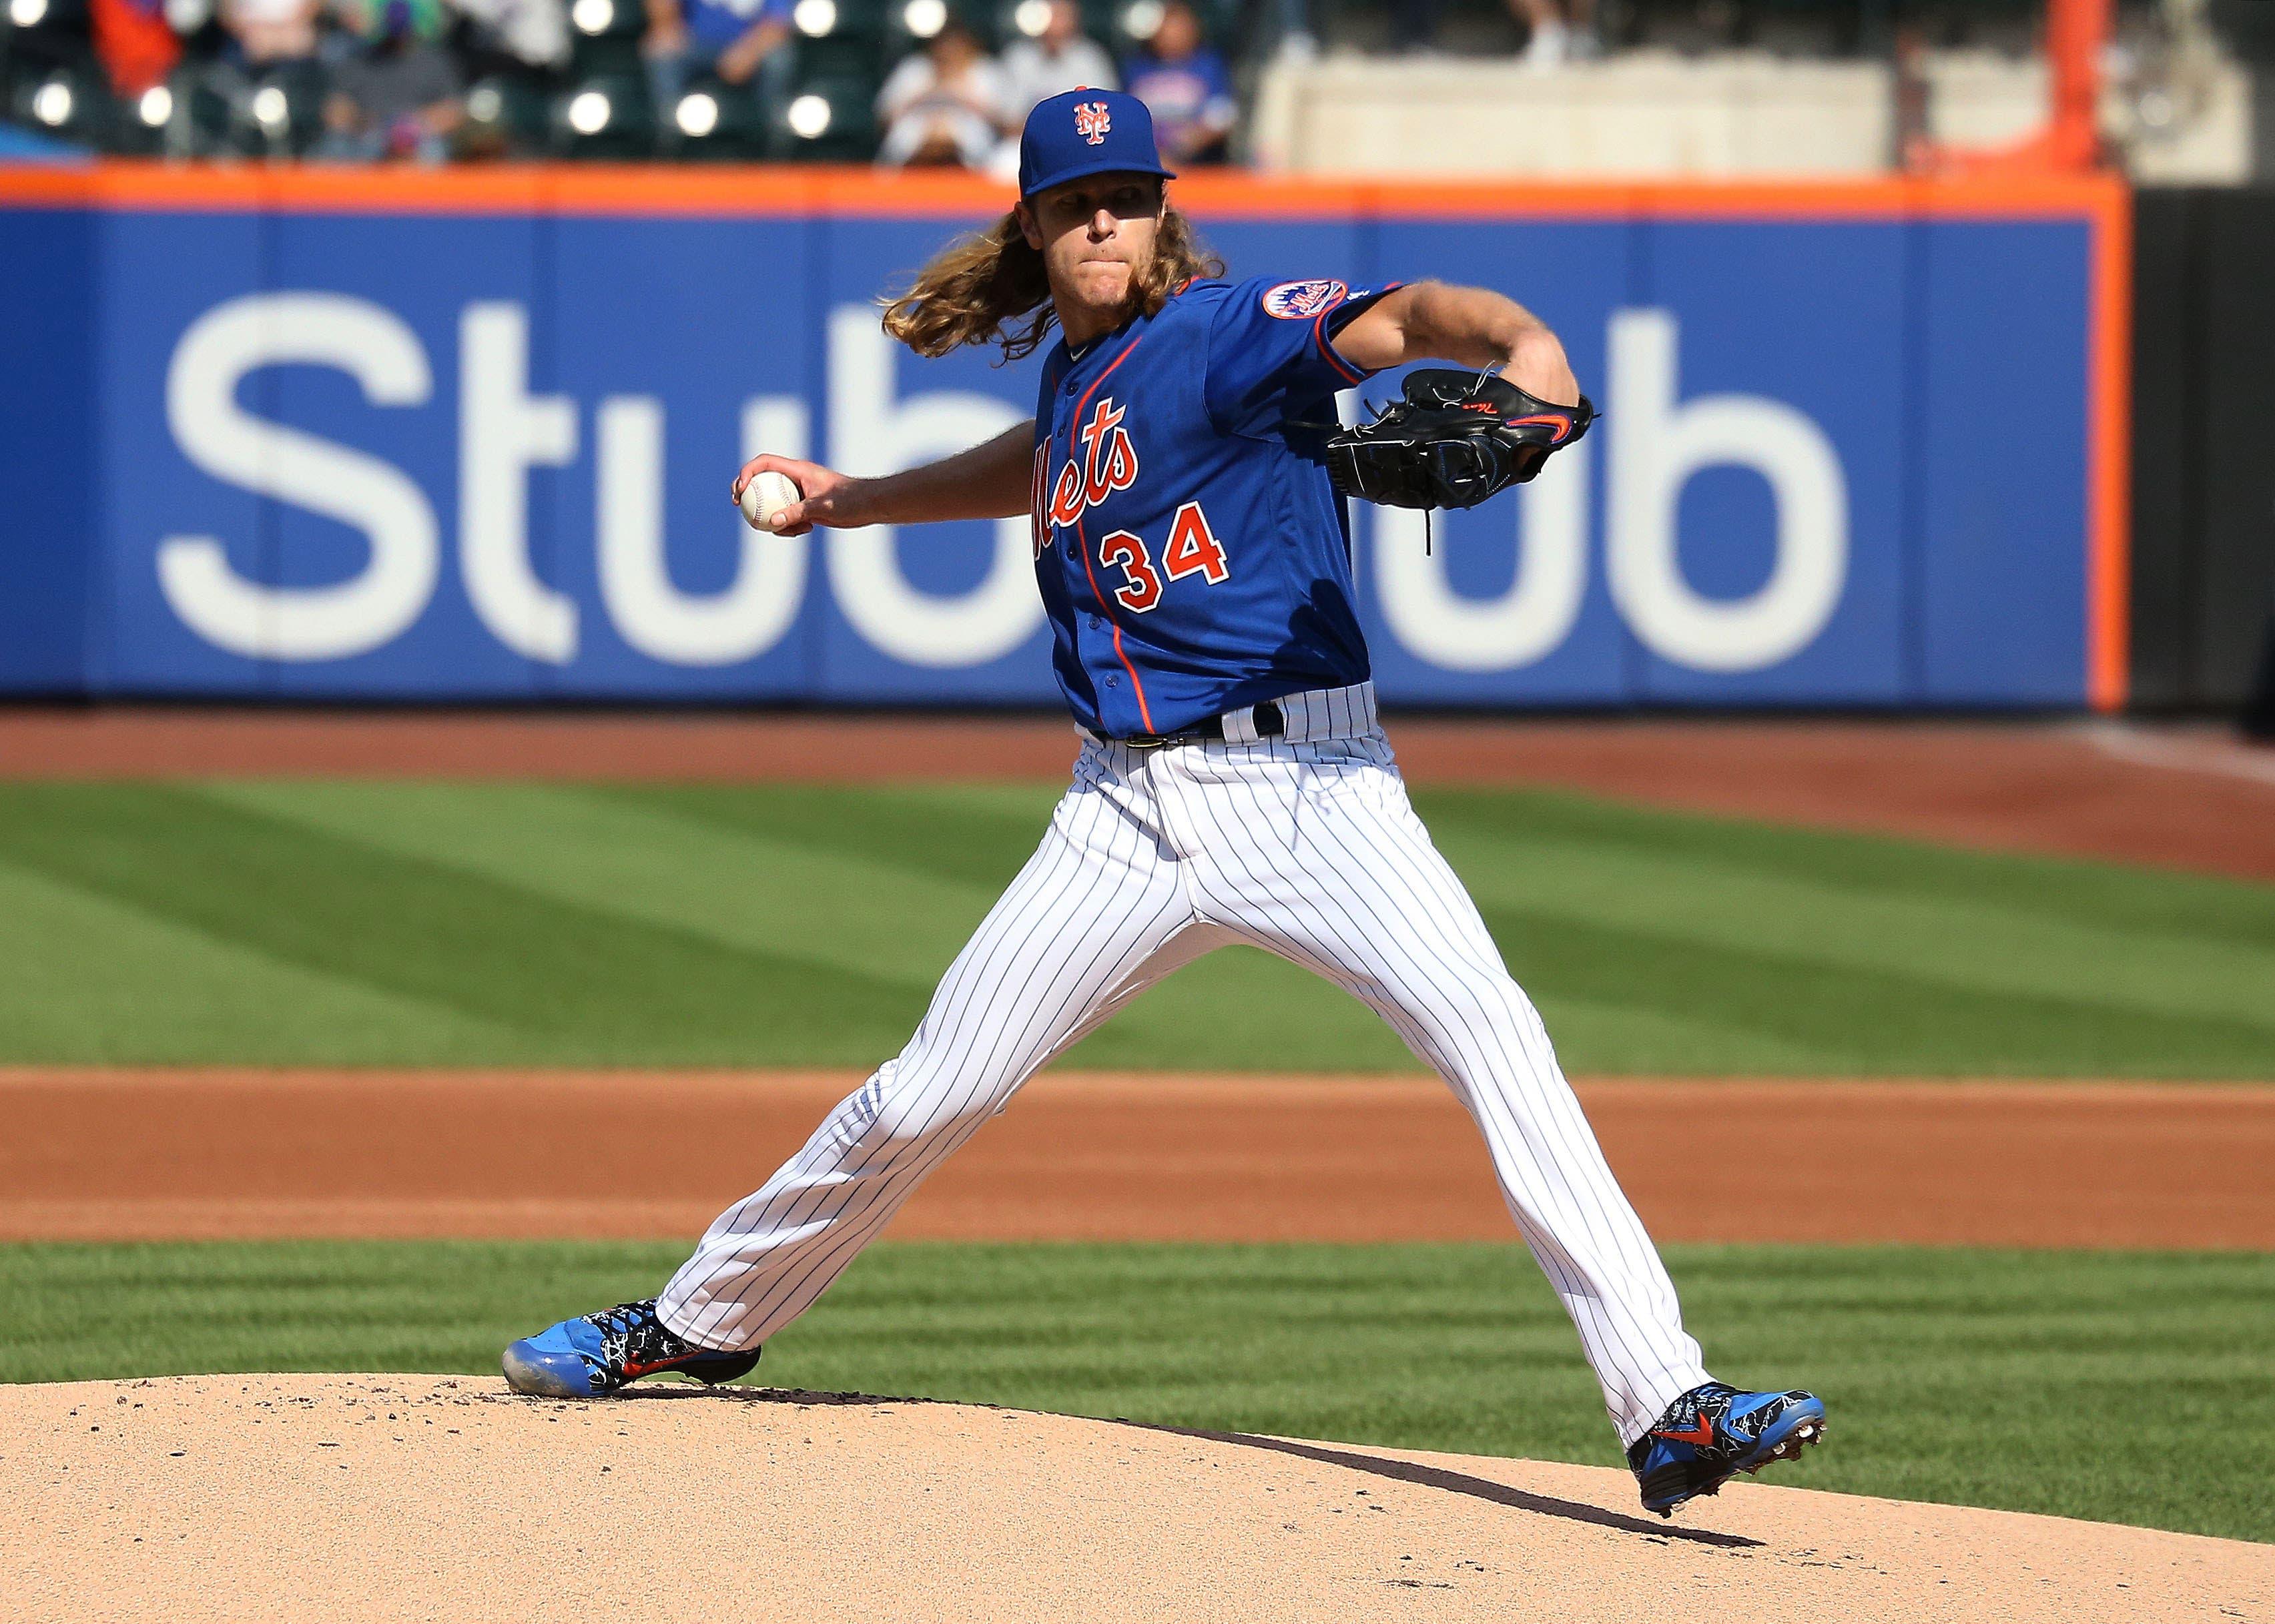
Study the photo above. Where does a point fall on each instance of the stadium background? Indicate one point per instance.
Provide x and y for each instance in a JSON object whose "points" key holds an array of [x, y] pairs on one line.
{"points": [[443, 856]]}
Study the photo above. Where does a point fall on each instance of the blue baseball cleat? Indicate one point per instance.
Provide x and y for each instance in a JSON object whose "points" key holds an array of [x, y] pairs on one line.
{"points": [[1712, 1433], [591, 1357]]}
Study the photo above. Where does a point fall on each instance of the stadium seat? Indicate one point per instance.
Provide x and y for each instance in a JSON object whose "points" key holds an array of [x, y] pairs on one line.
{"points": [[714, 121], [607, 56], [505, 114], [604, 38], [69, 104], [200, 114], [826, 120], [1097, 21], [1101, 20], [845, 18], [42, 41], [50, 77], [839, 56], [1126, 27], [147, 123], [910, 23], [50, 32], [607, 19], [278, 112], [609, 116]]}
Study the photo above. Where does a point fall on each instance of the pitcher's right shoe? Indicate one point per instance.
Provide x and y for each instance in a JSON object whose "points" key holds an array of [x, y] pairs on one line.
{"points": [[591, 1357], [1712, 1433]]}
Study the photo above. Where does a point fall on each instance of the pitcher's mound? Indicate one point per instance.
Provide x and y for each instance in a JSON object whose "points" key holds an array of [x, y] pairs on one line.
{"points": [[332, 1498]]}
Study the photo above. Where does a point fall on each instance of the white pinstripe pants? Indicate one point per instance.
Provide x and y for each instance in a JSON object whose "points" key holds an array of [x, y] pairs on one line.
{"points": [[1304, 845]]}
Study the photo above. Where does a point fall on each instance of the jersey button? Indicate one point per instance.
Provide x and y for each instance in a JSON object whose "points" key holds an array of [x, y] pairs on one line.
{"points": [[1095, 623], [1111, 681]]}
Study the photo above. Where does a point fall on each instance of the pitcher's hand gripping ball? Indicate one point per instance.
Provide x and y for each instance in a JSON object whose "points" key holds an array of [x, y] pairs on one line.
{"points": [[1455, 440], [766, 495]]}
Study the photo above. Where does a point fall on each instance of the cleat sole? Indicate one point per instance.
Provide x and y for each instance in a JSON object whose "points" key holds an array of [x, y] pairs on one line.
{"points": [[1668, 1489]]}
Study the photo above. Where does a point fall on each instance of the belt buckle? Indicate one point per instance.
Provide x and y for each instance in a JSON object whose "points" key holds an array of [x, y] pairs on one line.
{"points": [[1145, 741]]}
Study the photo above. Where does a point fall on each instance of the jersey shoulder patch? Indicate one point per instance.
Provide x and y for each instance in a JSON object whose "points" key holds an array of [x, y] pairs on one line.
{"points": [[1300, 301]]}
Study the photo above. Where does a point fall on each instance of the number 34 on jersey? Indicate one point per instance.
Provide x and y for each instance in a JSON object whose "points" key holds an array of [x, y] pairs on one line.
{"points": [[1109, 464]]}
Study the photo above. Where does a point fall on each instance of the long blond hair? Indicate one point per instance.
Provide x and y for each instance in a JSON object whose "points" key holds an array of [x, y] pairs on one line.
{"points": [[976, 290]]}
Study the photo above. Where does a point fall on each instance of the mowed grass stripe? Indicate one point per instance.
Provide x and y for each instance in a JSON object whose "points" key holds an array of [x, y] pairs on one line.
{"points": [[973, 841], [645, 863], [805, 925], [2100, 896], [569, 983], [89, 979], [778, 871], [679, 860], [1701, 905], [1853, 1021], [865, 897], [2057, 970], [2123, 1386]]}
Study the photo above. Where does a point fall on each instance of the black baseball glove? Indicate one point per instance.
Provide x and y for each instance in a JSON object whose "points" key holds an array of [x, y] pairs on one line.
{"points": [[1455, 440]]}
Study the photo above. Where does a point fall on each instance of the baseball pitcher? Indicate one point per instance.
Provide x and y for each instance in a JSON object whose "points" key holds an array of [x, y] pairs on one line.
{"points": [[1185, 481]]}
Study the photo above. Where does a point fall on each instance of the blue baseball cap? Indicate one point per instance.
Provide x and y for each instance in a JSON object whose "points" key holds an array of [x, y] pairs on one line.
{"points": [[1081, 133]]}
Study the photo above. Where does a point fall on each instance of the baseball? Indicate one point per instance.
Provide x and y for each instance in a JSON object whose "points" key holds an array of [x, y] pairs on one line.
{"points": [[766, 494]]}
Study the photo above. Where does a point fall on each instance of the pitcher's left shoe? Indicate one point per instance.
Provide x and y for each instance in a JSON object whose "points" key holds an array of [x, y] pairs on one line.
{"points": [[1712, 1433], [591, 1357]]}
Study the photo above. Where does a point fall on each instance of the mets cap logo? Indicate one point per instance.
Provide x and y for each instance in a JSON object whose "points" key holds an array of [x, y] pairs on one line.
{"points": [[1091, 121], [1300, 301]]}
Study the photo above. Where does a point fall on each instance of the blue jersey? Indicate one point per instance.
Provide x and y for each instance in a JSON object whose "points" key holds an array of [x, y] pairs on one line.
{"points": [[1192, 554], [717, 24]]}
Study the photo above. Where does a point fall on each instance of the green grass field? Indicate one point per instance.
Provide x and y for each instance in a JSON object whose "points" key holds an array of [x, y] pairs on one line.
{"points": [[2123, 1387], [371, 924], [418, 924]]}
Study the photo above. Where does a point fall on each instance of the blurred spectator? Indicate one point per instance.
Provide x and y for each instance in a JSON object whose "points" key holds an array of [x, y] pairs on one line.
{"points": [[271, 49], [943, 104], [1555, 31], [529, 34], [266, 31], [1414, 24], [1288, 30], [739, 41], [136, 43], [397, 94], [1061, 58], [1548, 37], [1184, 81]]}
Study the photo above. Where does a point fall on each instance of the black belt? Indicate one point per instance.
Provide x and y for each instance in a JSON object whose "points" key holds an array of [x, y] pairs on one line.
{"points": [[1269, 724]]}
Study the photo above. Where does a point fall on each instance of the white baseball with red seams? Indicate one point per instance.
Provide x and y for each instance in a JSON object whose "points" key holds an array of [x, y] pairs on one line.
{"points": [[765, 496], [1303, 844]]}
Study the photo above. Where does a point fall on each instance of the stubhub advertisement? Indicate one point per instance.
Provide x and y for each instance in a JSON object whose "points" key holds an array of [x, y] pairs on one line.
{"points": [[463, 453]]}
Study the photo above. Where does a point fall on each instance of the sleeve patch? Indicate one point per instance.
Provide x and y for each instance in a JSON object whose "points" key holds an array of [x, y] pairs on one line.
{"points": [[1301, 301]]}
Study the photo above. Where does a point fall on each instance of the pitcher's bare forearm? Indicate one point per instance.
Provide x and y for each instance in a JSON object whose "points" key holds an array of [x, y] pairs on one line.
{"points": [[994, 479], [991, 480], [1435, 320]]}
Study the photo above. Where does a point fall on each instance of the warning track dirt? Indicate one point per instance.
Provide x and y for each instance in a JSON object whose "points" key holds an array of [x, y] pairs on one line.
{"points": [[220, 1152]]}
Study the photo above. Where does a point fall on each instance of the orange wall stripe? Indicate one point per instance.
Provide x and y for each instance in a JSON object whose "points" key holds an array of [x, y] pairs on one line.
{"points": [[763, 190], [2109, 515]]}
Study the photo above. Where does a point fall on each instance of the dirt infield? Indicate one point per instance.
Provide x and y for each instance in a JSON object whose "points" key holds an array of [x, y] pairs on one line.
{"points": [[95, 1154], [2179, 797], [293, 1498]]}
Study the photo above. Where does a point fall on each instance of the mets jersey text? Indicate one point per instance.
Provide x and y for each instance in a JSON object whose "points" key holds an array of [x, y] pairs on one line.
{"points": [[1192, 554]]}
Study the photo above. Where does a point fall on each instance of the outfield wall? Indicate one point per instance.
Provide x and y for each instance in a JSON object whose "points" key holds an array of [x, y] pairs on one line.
{"points": [[320, 435]]}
